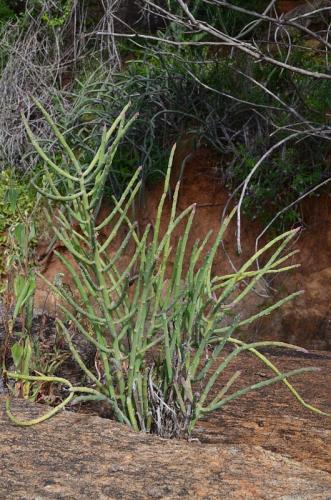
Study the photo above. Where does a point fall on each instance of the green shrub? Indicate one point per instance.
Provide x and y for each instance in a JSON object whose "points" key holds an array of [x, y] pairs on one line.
{"points": [[6, 12], [197, 90], [17, 200], [194, 91], [152, 344], [23, 343], [229, 21]]}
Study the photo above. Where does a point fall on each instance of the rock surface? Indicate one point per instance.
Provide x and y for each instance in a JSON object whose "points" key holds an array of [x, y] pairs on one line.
{"points": [[264, 446]]}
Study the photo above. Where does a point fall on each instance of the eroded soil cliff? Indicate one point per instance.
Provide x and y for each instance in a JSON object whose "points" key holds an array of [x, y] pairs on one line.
{"points": [[307, 320]]}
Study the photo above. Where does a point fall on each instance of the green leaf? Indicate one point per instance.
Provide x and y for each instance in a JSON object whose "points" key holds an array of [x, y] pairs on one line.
{"points": [[20, 235], [17, 353], [11, 197], [19, 283], [27, 355], [24, 288]]}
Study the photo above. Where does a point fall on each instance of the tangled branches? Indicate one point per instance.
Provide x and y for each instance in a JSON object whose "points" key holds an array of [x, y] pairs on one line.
{"points": [[251, 82], [291, 53], [40, 54]]}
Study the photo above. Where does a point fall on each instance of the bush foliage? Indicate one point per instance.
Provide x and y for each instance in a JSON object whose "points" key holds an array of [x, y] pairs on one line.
{"points": [[17, 200], [180, 91], [224, 99]]}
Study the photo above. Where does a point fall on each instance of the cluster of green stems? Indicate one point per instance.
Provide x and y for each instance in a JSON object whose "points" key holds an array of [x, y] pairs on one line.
{"points": [[163, 327]]}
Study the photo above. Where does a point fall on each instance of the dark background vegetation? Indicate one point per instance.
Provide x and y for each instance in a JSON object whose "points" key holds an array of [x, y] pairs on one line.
{"points": [[220, 96]]}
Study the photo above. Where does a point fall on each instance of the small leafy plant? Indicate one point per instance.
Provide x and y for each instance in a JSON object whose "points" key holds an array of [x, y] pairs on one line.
{"points": [[161, 342], [18, 287], [22, 345], [17, 201]]}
